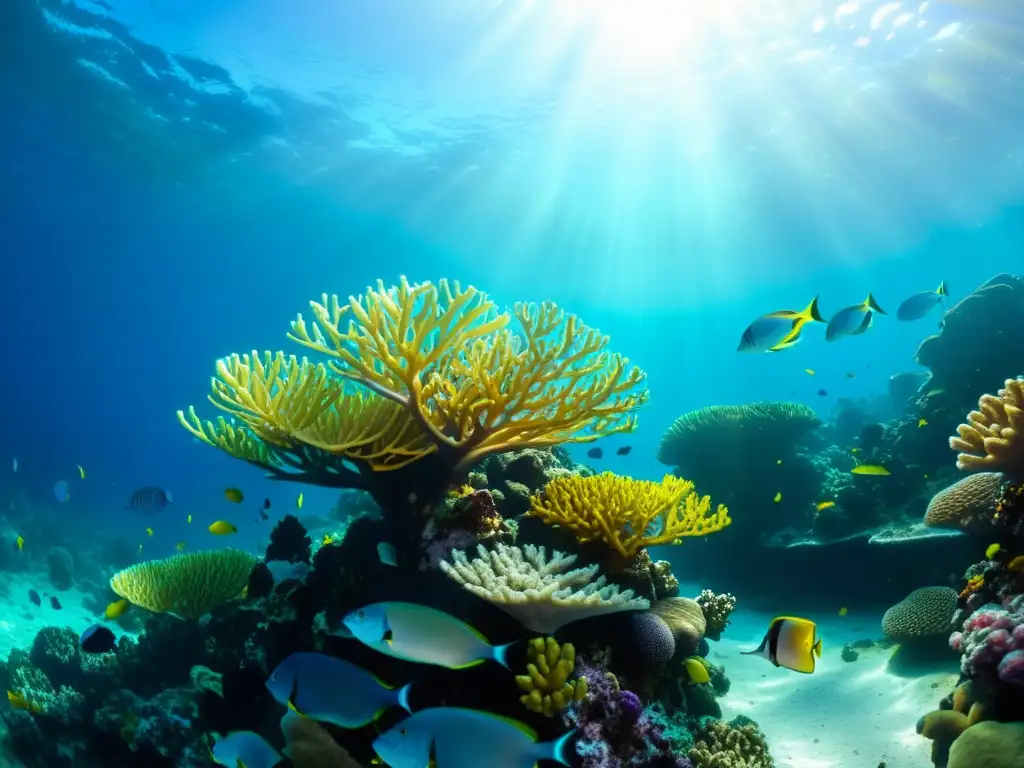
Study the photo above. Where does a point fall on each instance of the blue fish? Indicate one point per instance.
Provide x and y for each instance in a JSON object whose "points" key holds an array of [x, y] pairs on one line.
{"points": [[420, 634], [778, 330], [245, 748], [150, 498], [920, 304], [451, 737], [333, 690], [853, 321]]}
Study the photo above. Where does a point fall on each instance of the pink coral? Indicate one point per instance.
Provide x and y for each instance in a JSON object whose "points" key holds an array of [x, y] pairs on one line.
{"points": [[1011, 668], [992, 643]]}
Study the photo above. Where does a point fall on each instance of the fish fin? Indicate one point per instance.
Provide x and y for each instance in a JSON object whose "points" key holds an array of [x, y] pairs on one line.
{"points": [[817, 648], [812, 312], [561, 749], [871, 304], [471, 664], [403, 696], [501, 654], [943, 290], [793, 337]]}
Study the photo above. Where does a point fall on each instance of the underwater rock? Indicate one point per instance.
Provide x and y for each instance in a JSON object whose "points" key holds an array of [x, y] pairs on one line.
{"points": [[515, 476], [289, 541], [60, 566], [167, 723], [848, 654], [55, 652]]}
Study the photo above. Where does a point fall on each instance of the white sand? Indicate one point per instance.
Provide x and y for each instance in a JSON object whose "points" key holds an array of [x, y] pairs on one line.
{"points": [[845, 715]]}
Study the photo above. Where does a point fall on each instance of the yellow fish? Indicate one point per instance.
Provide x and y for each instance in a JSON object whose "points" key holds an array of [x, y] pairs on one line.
{"points": [[809, 371], [922, 423], [843, 611], [778, 497], [115, 609], [20, 542], [81, 472], [17, 700], [824, 505], [327, 539], [149, 531], [234, 495], [790, 642], [870, 469], [778, 461], [189, 519], [991, 551], [222, 528], [180, 546], [696, 670], [298, 501]]}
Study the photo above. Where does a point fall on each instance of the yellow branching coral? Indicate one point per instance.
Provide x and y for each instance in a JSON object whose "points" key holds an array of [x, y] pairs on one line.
{"points": [[627, 514], [993, 437], [473, 385], [186, 585], [546, 683]]}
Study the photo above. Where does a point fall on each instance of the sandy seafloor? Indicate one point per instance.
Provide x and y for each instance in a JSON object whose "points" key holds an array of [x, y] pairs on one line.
{"points": [[845, 715]]}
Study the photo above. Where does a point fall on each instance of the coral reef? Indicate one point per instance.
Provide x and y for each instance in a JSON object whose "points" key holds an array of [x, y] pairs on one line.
{"points": [[627, 514], [966, 505], [542, 594], [685, 619], [289, 542], [547, 685], [924, 612], [736, 744], [993, 437], [716, 609]]}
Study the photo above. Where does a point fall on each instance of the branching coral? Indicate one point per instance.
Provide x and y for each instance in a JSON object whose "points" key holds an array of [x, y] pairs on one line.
{"points": [[627, 514], [993, 437], [541, 594], [548, 689], [187, 585], [717, 609]]}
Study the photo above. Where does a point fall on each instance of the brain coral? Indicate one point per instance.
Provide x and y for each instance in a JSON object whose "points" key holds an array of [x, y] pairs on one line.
{"points": [[965, 503], [924, 612]]}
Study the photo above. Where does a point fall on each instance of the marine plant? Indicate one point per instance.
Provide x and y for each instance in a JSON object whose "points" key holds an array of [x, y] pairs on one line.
{"points": [[627, 514], [547, 686], [423, 381]]}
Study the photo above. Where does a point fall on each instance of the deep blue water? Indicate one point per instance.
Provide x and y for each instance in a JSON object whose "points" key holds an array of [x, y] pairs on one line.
{"points": [[180, 179]]}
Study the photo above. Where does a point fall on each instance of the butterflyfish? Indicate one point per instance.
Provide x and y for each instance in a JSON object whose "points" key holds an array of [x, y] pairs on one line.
{"points": [[920, 304], [245, 749], [778, 330], [853, 320], [452, 737], [420, 634], [791, 643], [696, 670], [332, 690]]}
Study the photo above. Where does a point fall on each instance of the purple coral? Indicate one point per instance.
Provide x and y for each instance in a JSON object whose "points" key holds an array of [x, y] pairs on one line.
{"points": [[992, 642], [615, 732]]}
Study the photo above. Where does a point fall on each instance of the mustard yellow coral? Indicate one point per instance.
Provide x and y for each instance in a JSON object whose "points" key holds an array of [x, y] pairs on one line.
{"points": [[627, 514], [415, 370], [993, 437], [186, 585], [547, 687]]}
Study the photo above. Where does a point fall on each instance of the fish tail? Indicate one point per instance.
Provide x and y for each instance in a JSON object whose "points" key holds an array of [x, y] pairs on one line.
{"points": [[500, 654], [871, 304], [817, 648], [561, 749], [943, 290], [403, 697], [812, 312]]}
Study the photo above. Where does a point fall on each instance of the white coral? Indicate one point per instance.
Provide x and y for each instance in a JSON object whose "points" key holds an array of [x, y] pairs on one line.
{"points": [[542, 594]]}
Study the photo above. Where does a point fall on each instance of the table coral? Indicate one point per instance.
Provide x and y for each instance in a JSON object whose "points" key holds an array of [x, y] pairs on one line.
{"points": [[993, 437], [627, 514], [542, 594], [548, 689]]}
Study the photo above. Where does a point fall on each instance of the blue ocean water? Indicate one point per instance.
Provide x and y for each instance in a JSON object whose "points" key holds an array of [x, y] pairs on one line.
{"points": [[180, 179]]}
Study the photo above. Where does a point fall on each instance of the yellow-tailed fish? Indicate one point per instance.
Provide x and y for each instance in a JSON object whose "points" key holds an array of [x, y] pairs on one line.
{"points": [[843, 611], [824, 505], [245, 749], [467, 737], [81, 472], [420, 634], [234, 495], [778, 330], [180, 546], [778, 497], [854, 320], [222, 528], [298, 501], [991, 551], [790, 642], [920, 304], [115, 609], [696, 670], [188, 519], [870, 469], [309, 684], [922, 423], [20, 543], [149, 531]]}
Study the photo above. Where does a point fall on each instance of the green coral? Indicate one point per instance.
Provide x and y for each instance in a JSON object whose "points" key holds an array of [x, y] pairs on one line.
{"points": [[186, 585], [547, 687]]}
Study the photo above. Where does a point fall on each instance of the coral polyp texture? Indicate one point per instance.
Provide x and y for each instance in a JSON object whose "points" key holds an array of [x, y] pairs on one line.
{"points": [[993, 437], [627, 514], [991, 642], [717, 608], [186, 585], [542, 594], [966, 504], [925, 612], [547, 686]]}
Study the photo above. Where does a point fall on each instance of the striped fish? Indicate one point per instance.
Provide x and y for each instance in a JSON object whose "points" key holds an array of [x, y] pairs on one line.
{"points": [[150, 498]]}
